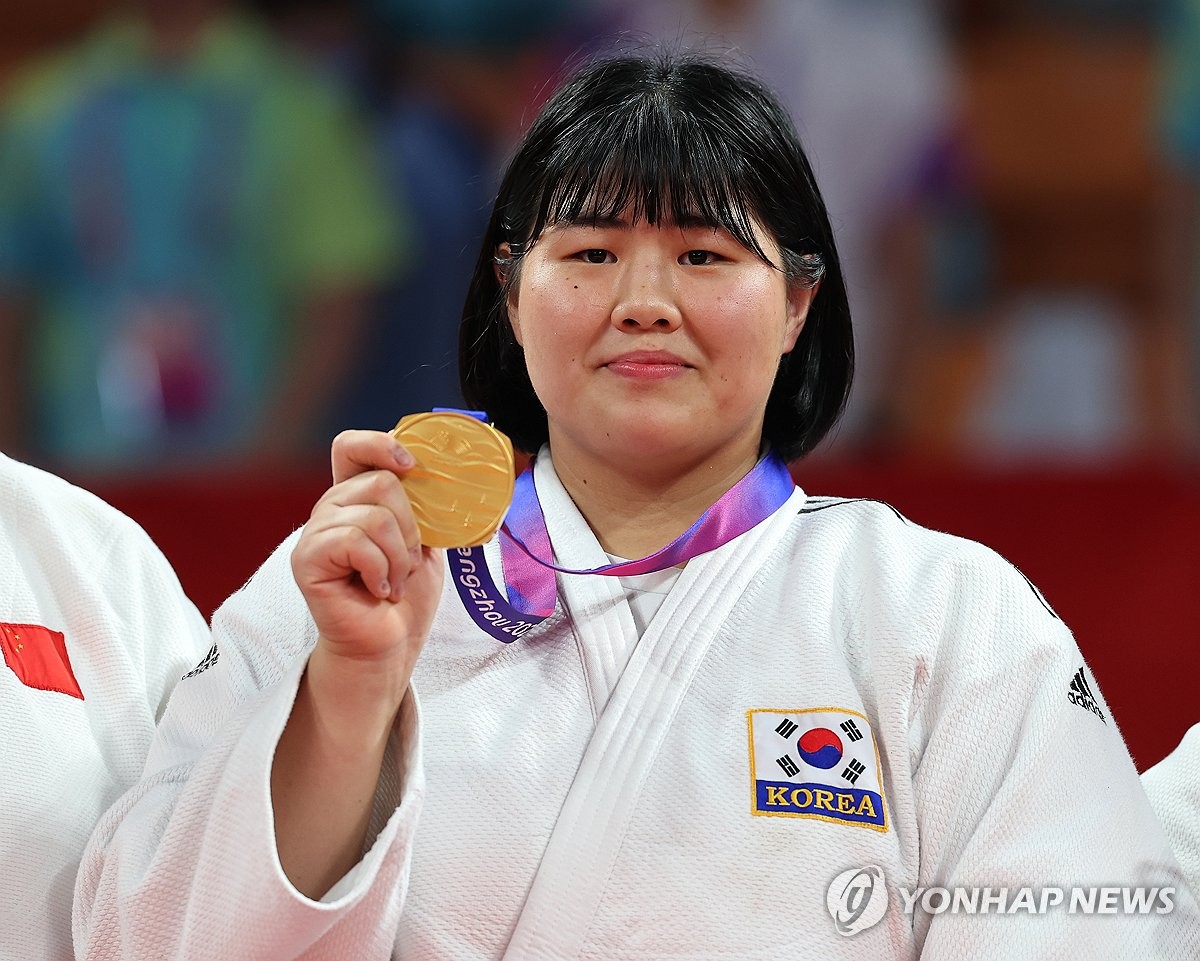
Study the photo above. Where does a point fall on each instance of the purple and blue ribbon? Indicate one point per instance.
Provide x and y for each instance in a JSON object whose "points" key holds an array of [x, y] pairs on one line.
{"points": [[528, 558]]}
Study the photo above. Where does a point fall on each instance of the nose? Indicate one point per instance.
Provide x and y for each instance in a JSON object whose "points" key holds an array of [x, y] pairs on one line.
{"points": [[646, 298]]}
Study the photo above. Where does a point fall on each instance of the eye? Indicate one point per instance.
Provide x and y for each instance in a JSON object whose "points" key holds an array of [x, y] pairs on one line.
{"points": [[596, 255], [700, 258]]}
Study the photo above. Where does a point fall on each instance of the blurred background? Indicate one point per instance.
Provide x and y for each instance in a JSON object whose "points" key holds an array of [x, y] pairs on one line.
{"points": [[228, 230]]}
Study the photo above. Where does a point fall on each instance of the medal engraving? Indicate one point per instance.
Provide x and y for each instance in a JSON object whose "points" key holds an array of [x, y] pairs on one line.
{"points": [[463, 482]]}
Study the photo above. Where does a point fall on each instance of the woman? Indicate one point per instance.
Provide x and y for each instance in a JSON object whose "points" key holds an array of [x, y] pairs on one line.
{"points": [[95, 631], [1173, 786], [658, 313]]}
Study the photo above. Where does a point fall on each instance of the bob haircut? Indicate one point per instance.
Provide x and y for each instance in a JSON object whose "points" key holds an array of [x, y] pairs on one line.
{"points": [[673, 139]]}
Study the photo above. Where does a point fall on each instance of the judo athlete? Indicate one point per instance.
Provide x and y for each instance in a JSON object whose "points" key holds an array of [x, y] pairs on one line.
{"points": [[95, 631], [415, 755], [1173, 785]]}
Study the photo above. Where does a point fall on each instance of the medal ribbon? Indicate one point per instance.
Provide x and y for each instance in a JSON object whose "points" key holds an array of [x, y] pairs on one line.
{"points": [[527, 556]]}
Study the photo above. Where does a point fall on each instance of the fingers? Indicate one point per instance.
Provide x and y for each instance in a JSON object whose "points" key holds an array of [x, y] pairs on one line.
{"points": [[333, 554], [357, 451], [380, 487], [364, 525]]}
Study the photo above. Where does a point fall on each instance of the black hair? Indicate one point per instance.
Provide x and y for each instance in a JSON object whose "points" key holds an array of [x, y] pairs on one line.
{"points": [[671, 138]]}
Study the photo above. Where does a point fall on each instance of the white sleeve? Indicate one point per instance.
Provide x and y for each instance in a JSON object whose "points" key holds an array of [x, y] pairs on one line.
{"points": [[1021, 779], [1173, 785], [184, 865], [161, 632]]}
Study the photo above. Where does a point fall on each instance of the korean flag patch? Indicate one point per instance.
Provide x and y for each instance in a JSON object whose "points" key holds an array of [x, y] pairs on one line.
{"points": [[816, 763]]}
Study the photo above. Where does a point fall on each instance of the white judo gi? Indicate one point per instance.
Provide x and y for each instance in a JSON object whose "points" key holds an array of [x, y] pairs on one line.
{"points": [[94, 631], [837, 689], [1174, 788]]}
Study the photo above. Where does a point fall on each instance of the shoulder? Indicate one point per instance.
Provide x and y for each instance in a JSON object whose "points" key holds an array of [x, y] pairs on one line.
{"points": [[907, 547], [71, 559], [1179, 770], [914, 581], [1173, 786], [936, 624], [41, 502], [50, 523]]}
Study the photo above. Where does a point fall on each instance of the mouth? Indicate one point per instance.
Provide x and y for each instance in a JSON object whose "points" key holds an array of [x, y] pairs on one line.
{"points": [[648, 365]]}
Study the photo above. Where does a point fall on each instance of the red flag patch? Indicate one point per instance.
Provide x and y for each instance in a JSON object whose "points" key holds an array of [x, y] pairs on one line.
{"points": [[38, 656]]}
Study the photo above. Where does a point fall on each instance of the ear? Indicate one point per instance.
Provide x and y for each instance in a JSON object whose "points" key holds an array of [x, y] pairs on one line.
{"points": [[501, 262], [501, 265], [799, 300]]}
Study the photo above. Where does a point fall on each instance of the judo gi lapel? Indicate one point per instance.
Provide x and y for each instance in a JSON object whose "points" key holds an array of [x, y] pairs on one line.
{"points": [[634, 707], [603, 624]]}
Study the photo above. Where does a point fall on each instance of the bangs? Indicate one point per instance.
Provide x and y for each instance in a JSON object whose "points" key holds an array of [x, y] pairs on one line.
{"points": [[662, 165]]}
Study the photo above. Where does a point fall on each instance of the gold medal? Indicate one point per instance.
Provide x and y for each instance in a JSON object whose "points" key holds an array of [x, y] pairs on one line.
{"points": [[463, 482]]}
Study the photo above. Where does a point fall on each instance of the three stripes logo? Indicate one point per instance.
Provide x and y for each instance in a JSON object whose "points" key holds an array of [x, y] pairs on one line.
{"points": [[206, 662], [1080, 692]]}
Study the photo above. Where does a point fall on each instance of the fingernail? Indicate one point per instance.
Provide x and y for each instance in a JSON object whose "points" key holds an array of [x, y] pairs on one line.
{"points": [[385, 589], [403, 457]]}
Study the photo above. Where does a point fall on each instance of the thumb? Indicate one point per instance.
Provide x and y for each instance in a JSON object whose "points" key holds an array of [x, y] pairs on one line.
{"points": [[358, 451]]}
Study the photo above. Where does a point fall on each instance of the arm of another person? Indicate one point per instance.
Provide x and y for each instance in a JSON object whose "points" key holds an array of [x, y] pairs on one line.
{"points": [[293, 748], [1023, 781]]}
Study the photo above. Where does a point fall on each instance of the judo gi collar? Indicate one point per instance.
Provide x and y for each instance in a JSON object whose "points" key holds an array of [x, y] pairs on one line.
{"points": [[528, 559]]}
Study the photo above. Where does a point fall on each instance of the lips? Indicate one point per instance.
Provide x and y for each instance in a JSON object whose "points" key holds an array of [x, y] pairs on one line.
{"points": [[648, 364]]}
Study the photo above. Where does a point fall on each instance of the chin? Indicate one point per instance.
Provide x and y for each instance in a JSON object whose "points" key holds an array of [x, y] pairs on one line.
{"points": [[657, 439]]}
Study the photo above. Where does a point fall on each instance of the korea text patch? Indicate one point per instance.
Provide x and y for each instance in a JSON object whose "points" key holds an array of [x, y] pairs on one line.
{"points": [[816, 763]]}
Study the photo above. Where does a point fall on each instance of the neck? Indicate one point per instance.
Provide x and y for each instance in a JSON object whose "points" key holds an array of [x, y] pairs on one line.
{"points": [[634, 509]]}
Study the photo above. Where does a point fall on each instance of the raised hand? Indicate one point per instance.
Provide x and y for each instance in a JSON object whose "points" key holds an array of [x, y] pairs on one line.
{"points": [[372, 589]]}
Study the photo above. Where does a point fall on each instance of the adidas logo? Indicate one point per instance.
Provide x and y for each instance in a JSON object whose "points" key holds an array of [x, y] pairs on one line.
{"points": [[208, 661], [1080, 692]]}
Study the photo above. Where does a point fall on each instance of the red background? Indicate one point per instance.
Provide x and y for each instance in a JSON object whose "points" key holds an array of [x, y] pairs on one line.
{"points": [[1114, 552]]}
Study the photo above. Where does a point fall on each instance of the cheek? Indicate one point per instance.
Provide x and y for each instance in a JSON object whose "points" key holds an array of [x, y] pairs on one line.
{"points": [[554, 306], [561, 301], [752, 323], [550, 294]]}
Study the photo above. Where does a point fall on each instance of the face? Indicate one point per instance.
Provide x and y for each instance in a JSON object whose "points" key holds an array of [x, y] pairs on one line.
{"points": [[652, 341]]}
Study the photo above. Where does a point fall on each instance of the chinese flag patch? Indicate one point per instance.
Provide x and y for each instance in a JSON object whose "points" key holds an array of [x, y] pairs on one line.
{"points": [[38, 656]]}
